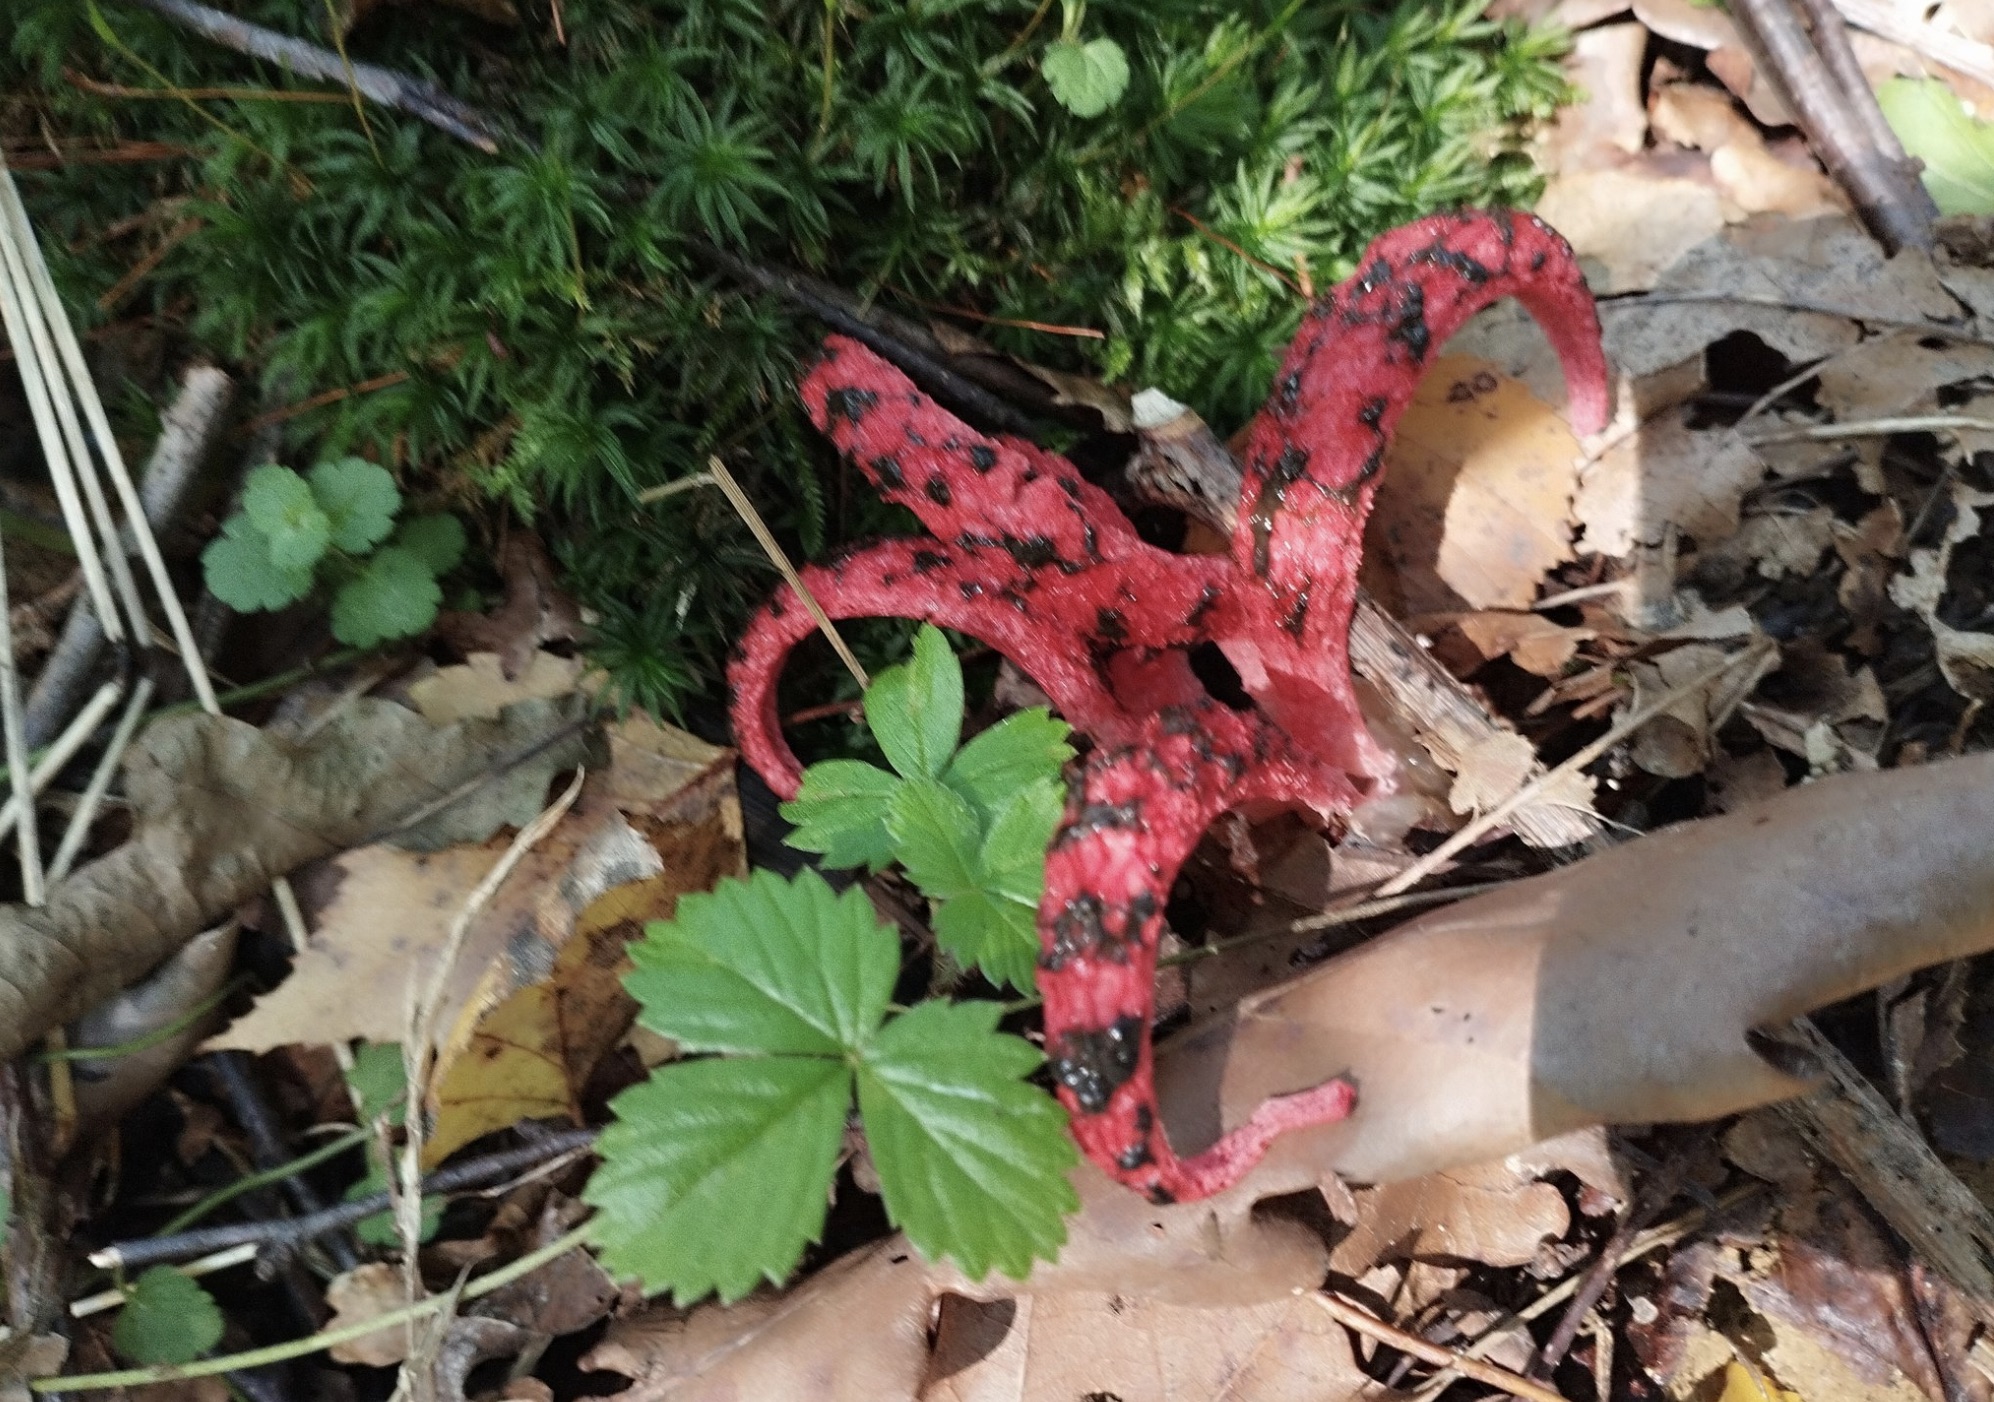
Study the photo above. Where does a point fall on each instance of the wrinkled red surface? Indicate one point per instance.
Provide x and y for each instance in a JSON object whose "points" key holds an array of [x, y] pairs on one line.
{"points": [[1043, 566]]}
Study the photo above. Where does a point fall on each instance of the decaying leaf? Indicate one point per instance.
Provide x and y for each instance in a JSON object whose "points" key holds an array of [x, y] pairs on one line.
{"points": [[1965, 657], [1666, 475], [1475, 506], [1619, 989], [535, 998], [1632, 223], [221, 809], [1053, 1348], [480, 686]]}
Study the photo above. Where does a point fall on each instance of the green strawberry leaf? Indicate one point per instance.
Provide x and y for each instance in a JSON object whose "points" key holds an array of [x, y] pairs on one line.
{"points": [[280, 504], [167, 1318], [359, 498], [1087, 78], [437, 541], [715, 1174], [1956, 147], [972, 1161], [767, 966], [239, 571], [1019, 750], [995, 925], [841, 812], [937, 836], [394, 597], [915, 709]]}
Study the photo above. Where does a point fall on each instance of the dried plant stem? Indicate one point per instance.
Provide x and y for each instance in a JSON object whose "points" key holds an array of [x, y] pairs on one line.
{"points": [[73, 837], [207, 1265], [418, 1052], [1873, 428], [1371, 1326], [738, 499], [298, 1348], [1485, 822]]}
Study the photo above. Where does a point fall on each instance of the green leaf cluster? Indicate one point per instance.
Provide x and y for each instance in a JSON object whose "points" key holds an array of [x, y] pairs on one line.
{"points": [[715, 1174], [336, 526], [167, 1318], [563, 343], [970, 824]]}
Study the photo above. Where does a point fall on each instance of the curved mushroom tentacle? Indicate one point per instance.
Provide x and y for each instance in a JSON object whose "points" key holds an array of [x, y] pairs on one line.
{"points": [[1032, 559]]}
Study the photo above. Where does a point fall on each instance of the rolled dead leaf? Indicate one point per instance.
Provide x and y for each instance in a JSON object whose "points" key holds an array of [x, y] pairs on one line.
{"points": [[221, 809], [1619, 989]]}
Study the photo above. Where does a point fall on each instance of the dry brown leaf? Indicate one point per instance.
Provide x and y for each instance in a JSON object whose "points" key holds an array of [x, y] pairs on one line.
{"points": [[1709, 28], [856, 1331], [480, 687], [1898, 374], [368, 1291], [222, 809], [1057, 1348], [1476, 502], [1966, 659], [1609, 123], [1635, 222], [535, 997], [535, 610], [1496, 1213], [1798, 285], [1745, 169], [1615, 990], [1667, 474], [1532, 641]]}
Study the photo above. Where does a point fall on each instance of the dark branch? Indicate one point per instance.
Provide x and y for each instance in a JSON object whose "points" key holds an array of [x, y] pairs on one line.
{"points": [[415, 96], [291, 1232]]}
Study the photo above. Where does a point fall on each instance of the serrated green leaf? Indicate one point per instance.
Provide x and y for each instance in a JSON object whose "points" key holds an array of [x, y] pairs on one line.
{"points": [[936, 835], [995, 926], [768, 966], [1956, 147], [1022, 749], [394, 597], [359, 499], [972, 1161], [714, 1175], [1087, 78], [379, 1082], [915, 709], [437, 541], [167, 1318], [238, 570], [840, 811], [280, 504]]}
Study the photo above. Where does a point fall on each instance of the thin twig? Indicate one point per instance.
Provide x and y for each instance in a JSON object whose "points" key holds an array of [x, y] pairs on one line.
{"points": [[1473, 831], [738, 499], [1373, 1327], [298, 1348], [417, 97], [1874, 428], [290, 1232]]}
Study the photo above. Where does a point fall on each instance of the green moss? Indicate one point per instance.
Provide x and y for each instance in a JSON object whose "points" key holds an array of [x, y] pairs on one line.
{"points": [[564, 348]]}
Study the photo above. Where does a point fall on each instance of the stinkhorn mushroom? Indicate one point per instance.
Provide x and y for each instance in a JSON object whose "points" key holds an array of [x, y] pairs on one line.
{"points": [[1027, 556]]}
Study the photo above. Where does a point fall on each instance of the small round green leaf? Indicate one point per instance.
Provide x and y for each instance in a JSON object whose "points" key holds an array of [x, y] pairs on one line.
{"points": [[239, 571], [1087, 78], [394, 597], [167, 1318], [359, 498], [280, 504], [438, 541]]}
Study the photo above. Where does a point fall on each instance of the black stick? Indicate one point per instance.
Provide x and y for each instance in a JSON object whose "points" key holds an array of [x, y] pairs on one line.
{"points": [[290, 1232], [235, 1073], [416, 96]]}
